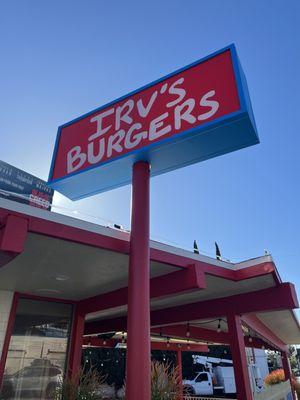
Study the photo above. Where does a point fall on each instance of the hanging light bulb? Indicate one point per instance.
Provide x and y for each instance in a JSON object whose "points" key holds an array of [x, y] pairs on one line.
{"points": [[188, 345], [104, 342], [168, 342], [219, 326], [188, 333], [263, 347], [123, 337], [250, 338]]}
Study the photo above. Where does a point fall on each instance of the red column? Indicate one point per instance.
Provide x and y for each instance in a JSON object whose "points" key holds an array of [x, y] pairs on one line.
{"points": [[9, 331], [179, 366], [138, 367], [237, 346], [76, 343], [287, 370]]}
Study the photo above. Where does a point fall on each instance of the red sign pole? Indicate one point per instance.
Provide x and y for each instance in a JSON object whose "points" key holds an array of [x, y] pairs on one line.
{"points": [[138, 367]]}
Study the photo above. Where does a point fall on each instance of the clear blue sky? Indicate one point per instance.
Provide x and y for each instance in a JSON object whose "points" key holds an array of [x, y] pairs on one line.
{"points": [[60, 59]]}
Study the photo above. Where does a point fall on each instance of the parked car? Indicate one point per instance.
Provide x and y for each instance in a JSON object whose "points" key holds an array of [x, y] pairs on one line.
{"points": [[33, 380], [7, 391]]}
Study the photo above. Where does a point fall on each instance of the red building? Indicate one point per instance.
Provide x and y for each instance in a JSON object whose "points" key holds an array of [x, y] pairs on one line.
{"points": [[63, 281]]}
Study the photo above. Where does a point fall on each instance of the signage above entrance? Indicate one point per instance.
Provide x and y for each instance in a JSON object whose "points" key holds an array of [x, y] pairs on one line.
{"points": [[196, 113]]}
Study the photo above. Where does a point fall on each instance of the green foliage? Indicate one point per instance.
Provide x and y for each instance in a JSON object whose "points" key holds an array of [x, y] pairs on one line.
{"points": [[273, 359], [293, 358], [294, 362]]}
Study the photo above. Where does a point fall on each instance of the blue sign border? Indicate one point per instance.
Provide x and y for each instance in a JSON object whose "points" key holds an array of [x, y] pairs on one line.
{"points": [[61, 184]]}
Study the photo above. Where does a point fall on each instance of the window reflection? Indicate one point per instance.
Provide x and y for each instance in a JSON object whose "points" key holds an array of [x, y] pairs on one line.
{"points": [[37, 352]]}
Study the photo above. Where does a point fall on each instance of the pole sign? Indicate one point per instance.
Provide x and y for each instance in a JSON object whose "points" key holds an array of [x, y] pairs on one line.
{"points": [[196, 113], [18, 185]]}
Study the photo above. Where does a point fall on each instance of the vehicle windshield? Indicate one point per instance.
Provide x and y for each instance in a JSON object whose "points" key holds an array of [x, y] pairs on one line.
{"points": [[195, 375]]}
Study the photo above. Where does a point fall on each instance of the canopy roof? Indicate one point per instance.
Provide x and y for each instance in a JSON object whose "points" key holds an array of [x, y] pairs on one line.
{"points": [[47, 254]]}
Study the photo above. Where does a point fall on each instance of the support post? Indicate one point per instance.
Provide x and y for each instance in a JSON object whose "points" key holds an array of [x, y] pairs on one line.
{"points": [[75, 351], [179, 366], [287, 371], [237, 345], [138, 365], [9, 332]]}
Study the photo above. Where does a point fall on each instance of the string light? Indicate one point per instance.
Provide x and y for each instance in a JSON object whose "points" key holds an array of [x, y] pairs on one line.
{"points": [[168, 342], [188, 333], [250, 336]]}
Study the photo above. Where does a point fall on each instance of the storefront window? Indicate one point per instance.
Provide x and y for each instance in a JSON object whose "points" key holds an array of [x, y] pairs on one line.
{"points": [[37, 352]]}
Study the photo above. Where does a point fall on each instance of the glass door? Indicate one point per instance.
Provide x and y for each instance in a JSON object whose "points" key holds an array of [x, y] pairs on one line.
{"points": [[37, 352]]}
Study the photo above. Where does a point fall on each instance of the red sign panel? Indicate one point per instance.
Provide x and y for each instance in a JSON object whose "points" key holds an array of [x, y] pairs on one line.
{"points": [[190, 98]]}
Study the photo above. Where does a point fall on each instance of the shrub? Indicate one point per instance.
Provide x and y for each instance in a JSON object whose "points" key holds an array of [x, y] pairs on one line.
{"points": [[165, 385], [84, 386], [275, 377], [165, 382]]}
